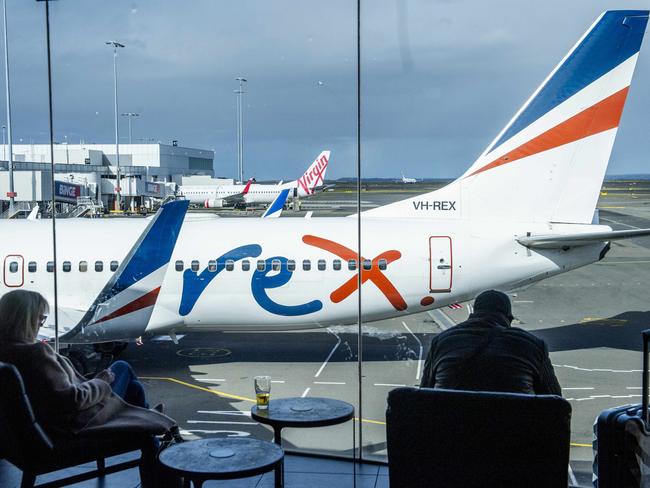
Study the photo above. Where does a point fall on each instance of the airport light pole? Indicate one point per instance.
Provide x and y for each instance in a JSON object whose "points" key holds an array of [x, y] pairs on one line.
{"points": [[130, 115], [240, 127], [118, 190], [10, 161]]}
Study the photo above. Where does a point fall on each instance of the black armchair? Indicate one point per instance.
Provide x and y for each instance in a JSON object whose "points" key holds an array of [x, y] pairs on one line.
{"points": [[26, 445], [446, 438]]}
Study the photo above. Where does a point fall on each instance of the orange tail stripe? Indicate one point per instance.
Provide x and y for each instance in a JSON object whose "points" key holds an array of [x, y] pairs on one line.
{"points": [[600, 117]]}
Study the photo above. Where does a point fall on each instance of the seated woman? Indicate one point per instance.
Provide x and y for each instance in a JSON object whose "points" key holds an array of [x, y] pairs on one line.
{"points": [[65, 403]]}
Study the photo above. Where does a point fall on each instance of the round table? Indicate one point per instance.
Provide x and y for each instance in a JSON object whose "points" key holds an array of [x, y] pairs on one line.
{"points": [[303, 412], [221, 459]]}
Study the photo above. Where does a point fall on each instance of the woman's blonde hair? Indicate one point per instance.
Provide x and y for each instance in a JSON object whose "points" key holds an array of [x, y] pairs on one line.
{"points": [[20, 315]]}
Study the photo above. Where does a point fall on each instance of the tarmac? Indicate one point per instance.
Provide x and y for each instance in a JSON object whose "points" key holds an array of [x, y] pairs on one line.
{"points": [[591, 318]]}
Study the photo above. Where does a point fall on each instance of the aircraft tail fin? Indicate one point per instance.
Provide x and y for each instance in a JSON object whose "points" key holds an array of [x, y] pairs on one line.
{"points": [[549, 161], [275, 209], [126, 302], [314, 176], [247, 187]]}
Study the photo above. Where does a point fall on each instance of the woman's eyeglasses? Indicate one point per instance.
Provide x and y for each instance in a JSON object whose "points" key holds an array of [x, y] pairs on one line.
{"points": [[43, 318]]}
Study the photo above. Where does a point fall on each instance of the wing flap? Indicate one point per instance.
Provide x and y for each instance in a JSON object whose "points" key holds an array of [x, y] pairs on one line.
{"points": [[561, 241]]}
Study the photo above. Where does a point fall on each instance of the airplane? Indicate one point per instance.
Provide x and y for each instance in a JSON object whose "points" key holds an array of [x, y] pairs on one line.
{"points": [[216, 197], [226, 195], [406, 180], [520, 214]]}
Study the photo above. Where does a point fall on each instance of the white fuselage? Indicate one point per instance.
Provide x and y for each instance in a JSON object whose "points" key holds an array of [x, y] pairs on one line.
{"points": [[413, 262]]}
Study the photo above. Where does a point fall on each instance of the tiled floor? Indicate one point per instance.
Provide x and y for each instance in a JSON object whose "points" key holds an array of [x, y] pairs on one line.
{"points": [[300, 471]]}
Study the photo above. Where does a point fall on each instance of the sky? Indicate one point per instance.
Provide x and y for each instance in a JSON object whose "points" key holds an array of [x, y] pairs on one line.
{"points": [[440, 78]]}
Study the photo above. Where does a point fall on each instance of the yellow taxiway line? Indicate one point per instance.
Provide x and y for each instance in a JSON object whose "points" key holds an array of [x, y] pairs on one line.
{"points": [[246, 399]]}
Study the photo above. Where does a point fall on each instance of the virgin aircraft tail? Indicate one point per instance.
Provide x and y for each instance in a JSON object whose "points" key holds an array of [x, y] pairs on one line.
{"points": [[549, 161], [314, 176]]}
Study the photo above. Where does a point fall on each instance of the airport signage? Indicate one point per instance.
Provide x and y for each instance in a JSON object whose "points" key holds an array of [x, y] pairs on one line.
{"points": [[66, 192], [153, 189]]}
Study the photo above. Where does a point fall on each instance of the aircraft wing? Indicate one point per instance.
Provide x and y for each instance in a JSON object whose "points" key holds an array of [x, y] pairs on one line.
{"points": [[559, 241], [238, 197]]}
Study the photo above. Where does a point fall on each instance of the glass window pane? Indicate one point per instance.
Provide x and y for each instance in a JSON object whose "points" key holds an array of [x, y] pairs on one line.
{"points": [[245, 265], [212, 265], [31, 267], [383, 264], [195, 265], [367, 264], [352, 264], [275, 265], [50, 266], [321, 265], [291, 265], [230, 265], [306, 264], [67, 266], [261, 265], [99, 266], [13, 267], [179, 265], [114, 265], [83, 266], [336, 264]]}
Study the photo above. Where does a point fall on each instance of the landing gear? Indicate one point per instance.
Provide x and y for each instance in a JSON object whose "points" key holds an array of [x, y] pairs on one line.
{"points": [[114, 348]]}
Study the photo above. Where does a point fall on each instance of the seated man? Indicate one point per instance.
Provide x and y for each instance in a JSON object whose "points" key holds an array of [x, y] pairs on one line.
{"points": [[485, 353]]}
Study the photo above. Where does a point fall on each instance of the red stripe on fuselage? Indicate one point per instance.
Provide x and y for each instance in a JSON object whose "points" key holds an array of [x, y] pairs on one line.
{"points": [[144, 301], [600, 117]]}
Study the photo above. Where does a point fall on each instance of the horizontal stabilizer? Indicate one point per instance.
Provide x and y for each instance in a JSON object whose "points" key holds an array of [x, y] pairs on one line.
{"points": [[559, 241]]}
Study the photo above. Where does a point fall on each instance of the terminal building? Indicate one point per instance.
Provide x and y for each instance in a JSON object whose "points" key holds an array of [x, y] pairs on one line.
{"points": [[148, 172]]}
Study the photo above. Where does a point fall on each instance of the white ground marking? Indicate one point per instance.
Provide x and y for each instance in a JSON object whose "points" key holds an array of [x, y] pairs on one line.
{"points": [[443, 321], [231, 433], [419, 370], [304, 393], [277, 381], [597, 370], [210, 380], [621, 223], [632, 387], [329, 382], [329, 356], [580, 388], [225, 412], [388, 384], [222, 422], [523, 301], [597, 397]]}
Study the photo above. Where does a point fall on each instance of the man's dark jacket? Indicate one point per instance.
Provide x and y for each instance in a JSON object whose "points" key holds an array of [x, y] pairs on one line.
{"points": [[485, 354]]}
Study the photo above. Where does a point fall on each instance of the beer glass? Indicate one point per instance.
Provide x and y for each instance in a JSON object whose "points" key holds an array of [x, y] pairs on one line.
{"points": [[262, 391]]}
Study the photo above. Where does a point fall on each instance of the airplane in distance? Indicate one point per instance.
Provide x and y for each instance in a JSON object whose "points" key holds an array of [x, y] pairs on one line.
{"points": [[521, 213], [235, 195], [406, 180]]}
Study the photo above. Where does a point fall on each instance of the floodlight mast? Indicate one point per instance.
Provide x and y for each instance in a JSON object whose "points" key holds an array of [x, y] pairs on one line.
{"points": [[130, 115], [240, 127], [118, 189]]}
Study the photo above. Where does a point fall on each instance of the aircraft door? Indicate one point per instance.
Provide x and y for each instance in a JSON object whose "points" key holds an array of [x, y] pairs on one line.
{"points": [[441, 264], [14, 272]]}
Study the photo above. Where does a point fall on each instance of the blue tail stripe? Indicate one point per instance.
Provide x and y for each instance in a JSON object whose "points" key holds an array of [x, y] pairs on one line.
{"points": [[615, 38], [156, 248], [278, 203]]}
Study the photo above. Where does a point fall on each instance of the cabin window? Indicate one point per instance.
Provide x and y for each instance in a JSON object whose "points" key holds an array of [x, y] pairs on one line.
{"points": [[31, 267], [383, 264], [67, 266], [261, 265], [321, 265], [212, 265], [13, 267], [195, 265], [50, 266], [291, 265], [83, 266], [367, 264], [179, 265], [352, 264], [99, 266], [275, 265], [306, 264], [245, 265], [114, 265], [230, 265]]}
